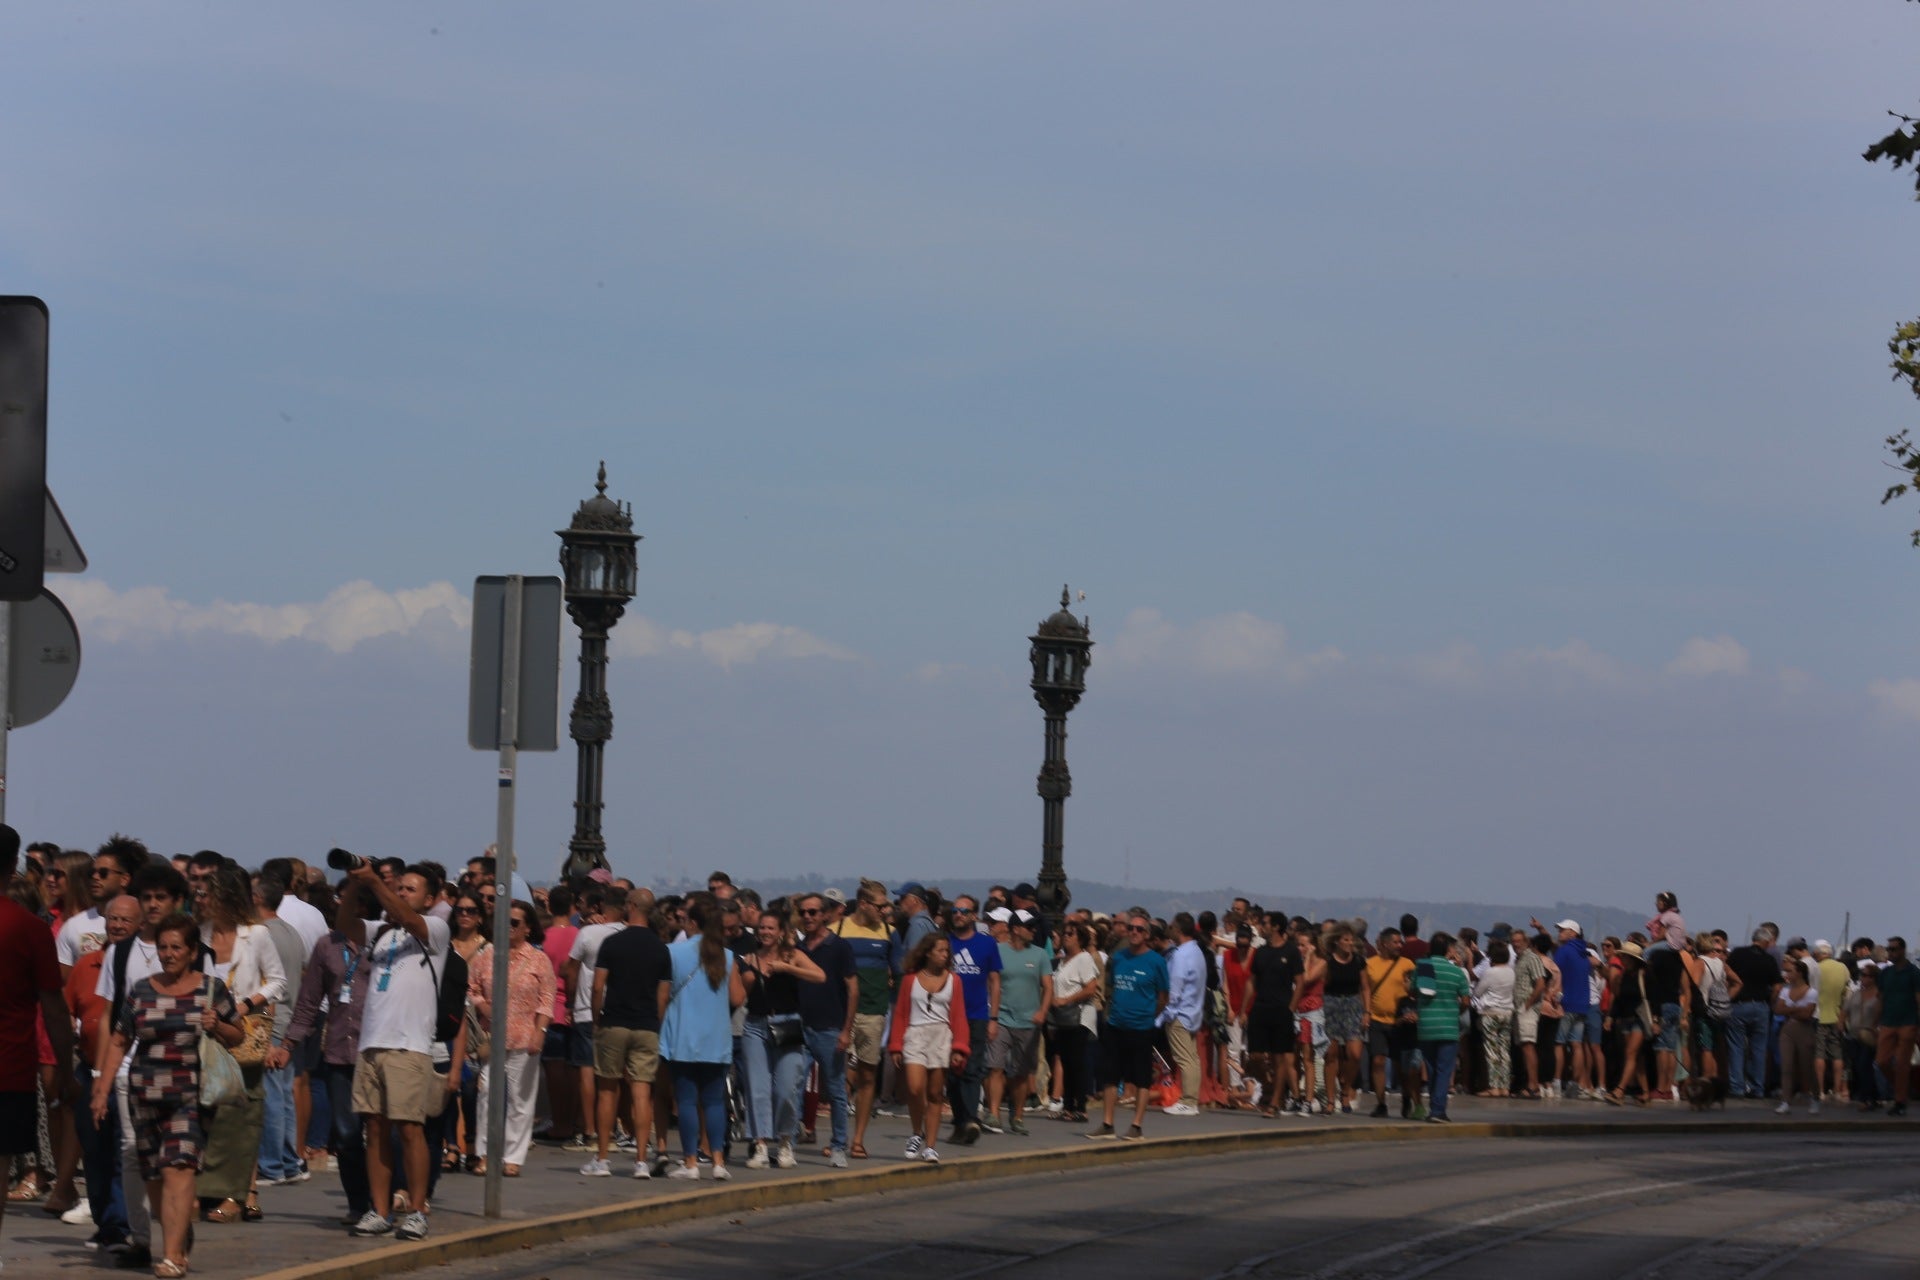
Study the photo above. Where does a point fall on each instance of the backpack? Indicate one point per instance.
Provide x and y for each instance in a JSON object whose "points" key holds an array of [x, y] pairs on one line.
{"points": [[1719, 1001], [451, 999]]}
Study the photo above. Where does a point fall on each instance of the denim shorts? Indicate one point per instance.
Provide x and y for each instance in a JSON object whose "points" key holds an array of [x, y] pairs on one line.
{"points": [[1596, 1022], [1573, 1029], [1668, 1041]]}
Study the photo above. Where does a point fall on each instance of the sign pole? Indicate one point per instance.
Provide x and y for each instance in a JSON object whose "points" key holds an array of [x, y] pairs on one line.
{"points": [[503, 898]]}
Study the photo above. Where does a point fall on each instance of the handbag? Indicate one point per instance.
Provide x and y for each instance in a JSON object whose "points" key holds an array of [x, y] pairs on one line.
{"points": [[479, 1040], [252, 1051], [221, 1084], [785, 1030]]}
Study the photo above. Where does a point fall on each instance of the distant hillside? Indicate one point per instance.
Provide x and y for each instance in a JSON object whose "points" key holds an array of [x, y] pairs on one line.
{"points": [[1378, 911]]}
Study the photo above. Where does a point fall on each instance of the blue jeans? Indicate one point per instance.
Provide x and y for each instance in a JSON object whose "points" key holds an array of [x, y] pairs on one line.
{"points": [[1440, 1055], [1748, 1023], [743, 1084], [824, 1048], [279, 1150], [775, 1076], [346, 1136], [100, 1158], [700, 1092]]}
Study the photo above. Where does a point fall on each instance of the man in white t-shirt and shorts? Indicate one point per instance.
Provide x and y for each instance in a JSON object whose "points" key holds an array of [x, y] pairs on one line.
{"points": [[606, 917], [394, 1085]]}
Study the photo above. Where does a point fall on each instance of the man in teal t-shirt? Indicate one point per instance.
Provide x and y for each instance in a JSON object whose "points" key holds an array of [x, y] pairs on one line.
{"points": [[1137, 989], [1026, 992], [1440, 992]]}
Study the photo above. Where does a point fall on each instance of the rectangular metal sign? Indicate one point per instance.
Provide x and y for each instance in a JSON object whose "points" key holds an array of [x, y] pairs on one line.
{"points": [[538, 703], [23, 446]]}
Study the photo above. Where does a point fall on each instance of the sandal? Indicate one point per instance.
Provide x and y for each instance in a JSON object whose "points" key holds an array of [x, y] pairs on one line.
{"points": [[228, 1210], [168, 1269], [477, 1166], [856, 1152], [251, 1211], [510, 1170], [28, 1188]]}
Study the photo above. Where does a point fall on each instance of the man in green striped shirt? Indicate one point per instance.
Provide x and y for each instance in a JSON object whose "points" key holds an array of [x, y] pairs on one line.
{"points": [[1440, 992]]}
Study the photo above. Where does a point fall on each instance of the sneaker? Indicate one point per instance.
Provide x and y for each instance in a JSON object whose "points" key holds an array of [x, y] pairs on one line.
{"points": [[81, 1215], [1406, 1108], [1432, 1119], [661, 1162], [641, 1169], [971, 1134], [1419, 1111], [757, 1159], [582, 1142], [1055, 1106], [624, 1142], [1897, 1109], [1314, 1108], [411, 1227], [1346, 1108], [722, 1174], [913, 1147], [1782, 1109], [1017, 1126], [783, 1157], [1103, 1134], [595, 1168], [1379, 1112], [371, 1224], [1133, 1134], [703, 1158], [1814, 1110], [886, 1110], [1180, 1109], [685, 1173], [929, 1156], [836, 1158], [990, 1123]]}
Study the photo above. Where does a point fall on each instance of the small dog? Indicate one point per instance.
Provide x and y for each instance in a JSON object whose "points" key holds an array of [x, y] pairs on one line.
{"points": [[1701, 1092]]}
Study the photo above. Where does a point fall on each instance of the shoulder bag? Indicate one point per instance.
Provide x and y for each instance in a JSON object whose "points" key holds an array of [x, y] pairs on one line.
{"points": [[221, 1084]]}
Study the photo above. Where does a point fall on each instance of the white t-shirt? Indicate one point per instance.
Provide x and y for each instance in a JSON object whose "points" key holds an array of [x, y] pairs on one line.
{"points": [[402, 1002], [79, 935], [586, 949], [1074, 974], [1493, 990], [306, 921], [142, 962]]}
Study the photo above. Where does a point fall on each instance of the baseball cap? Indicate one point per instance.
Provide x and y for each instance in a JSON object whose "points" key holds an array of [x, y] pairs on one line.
{"points": [[913, 889], [1021, 916], [1000, 915], [1500, 929], [1025, 890], [1822, 947], [1796, 944], [1569, 924], [834, 896], [600, 875]]}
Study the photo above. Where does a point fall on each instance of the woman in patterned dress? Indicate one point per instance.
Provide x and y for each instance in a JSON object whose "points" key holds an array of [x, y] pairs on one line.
{"points": [[516, 1033], [160, 1026]]}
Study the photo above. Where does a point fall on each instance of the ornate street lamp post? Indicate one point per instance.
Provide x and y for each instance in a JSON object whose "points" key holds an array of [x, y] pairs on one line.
{"points": [[597, 559], [1061, 655]]}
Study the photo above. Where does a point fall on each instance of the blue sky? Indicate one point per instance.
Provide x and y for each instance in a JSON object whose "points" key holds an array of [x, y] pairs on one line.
{"points": [[1463, 421]]}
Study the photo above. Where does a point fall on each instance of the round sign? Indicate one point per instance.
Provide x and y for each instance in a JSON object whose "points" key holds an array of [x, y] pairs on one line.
{"points": [[43, 658]]}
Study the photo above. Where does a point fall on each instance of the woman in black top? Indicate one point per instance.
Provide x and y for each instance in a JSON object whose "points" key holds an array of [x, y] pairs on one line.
{"points": [[1344, 1011], [1631, 1018], [773, 1046]]}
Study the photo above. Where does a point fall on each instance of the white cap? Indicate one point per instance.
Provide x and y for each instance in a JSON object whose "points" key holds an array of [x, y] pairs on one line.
{"points": [[1569, 924], [1000, 915], [1822, 947]]}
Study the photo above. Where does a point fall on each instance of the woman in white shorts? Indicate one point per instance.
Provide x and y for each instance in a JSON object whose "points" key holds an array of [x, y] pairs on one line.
{"points": [[928, 1038]]}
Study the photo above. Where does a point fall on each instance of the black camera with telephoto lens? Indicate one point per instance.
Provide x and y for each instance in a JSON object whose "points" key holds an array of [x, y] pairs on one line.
{"points": [[341, 860]]}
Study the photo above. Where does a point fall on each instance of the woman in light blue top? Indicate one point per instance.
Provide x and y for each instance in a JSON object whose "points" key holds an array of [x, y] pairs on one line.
{"points": [[696, 1034]]}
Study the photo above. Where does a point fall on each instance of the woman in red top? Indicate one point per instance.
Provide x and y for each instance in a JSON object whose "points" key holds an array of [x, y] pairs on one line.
{"points": [[1235, 962], [929, 1037], [1307, 1000]]}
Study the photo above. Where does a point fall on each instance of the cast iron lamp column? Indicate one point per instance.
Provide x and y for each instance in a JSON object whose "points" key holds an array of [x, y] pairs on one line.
{"points": [[1061, 655], [597, 561]]}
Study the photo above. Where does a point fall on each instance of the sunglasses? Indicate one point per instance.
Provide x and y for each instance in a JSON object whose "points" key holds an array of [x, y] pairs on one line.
{"points": [[99, 872], [56, 875], [467, 911], [517, 923], [810, 911]]}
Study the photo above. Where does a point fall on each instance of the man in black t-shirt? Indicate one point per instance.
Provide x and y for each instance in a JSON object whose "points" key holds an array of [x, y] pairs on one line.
{"points": [[1273, 974], [1753, 976], [1667, 993], [826, 1015], [630, 975]]}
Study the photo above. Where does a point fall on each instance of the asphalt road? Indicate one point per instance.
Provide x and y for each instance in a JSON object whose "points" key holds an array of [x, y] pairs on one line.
{"points": [[1708, 1208]]}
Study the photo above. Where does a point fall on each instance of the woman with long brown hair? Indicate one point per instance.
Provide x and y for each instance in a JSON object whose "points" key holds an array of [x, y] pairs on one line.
{"points": [[696, 1034], [929, 1037], [68, 886], [244, 957]]}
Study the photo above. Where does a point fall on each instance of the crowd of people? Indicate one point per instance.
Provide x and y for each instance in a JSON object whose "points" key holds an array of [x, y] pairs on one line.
{"points": [[178, 1032]]}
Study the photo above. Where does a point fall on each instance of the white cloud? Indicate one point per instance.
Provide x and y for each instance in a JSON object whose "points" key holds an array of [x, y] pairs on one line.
{"points": [[741, 642], [1901, 697], [1579, 658], [350, 614], [1226, 644], [359, 611], [1722, 655]]}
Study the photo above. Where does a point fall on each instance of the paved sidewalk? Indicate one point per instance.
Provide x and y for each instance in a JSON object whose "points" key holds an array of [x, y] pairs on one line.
{"points": [[303, 1223]]}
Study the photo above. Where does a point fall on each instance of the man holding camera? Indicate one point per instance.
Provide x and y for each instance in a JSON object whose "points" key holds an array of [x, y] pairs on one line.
{"points": [[394, 1083]]}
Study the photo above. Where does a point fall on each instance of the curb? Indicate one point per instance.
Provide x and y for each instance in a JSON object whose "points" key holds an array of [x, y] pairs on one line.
{"points": [[681, 1206]]}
